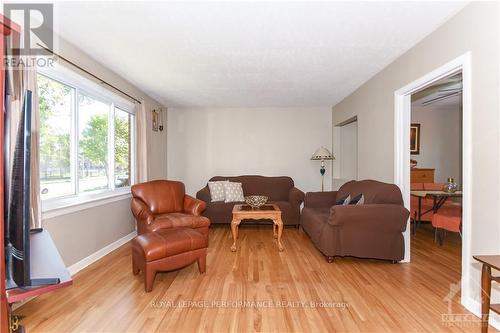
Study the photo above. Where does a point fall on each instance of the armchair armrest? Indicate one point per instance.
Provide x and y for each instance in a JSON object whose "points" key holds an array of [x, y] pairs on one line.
{"points": [[295, 196], [204, 194], [320, 199], [372, 217], [142, 214], [193, 206]]}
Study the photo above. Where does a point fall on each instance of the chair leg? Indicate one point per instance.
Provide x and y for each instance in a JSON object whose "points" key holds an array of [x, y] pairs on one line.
{"points": [[135, 267], [415, 223], [202, 263], [440, 236], [149, 279]]}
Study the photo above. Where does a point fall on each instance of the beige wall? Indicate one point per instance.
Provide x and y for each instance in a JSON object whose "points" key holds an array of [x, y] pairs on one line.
{"points": [[440, 141], [203, 143], [80, 234], [474, 29]]}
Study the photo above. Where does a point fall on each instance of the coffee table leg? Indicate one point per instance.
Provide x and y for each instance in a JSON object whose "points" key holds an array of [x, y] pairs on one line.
{"points": [[234, 231], [275, 230], [279, 225]]}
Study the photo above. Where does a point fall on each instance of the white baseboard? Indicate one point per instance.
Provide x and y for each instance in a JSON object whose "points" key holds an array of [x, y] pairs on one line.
{"points": [[75, 268], [475, 307]]}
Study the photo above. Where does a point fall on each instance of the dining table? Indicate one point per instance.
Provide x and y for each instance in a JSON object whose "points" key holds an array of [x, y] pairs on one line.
{"points": [[438, 200]]}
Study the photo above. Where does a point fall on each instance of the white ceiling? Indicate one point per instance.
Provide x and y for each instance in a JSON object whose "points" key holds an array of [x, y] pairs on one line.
{"points": [[248, 54]]}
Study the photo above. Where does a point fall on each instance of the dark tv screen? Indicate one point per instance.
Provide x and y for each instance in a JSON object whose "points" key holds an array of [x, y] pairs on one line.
{"points": [[18, 197]]}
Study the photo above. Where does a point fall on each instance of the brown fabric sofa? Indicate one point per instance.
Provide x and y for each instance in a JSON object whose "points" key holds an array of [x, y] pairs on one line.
{"points": [[161, 204], [280, 190], [372, 230]]}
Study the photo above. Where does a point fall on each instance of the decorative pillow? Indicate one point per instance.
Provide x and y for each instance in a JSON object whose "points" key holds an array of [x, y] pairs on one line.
{"points": [[217, 192], [357, 200], [343, 201], [361, 201], [233, 192]]}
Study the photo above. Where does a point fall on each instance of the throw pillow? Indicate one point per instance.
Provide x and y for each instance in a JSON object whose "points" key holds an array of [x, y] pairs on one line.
{"points": [[357, 200], [233, 192], [343, 201], [361, 201], [217, 192]]}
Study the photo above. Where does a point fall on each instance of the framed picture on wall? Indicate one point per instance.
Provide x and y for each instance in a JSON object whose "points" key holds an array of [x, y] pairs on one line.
{"points": [[415, 139], [155, 120]]}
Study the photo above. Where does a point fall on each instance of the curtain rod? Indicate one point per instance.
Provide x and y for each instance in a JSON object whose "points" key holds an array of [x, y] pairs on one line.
{"points": [[89, 73]]}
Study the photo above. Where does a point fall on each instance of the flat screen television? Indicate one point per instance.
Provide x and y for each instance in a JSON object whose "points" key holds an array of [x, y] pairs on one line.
{"points": [[17, 195], [17, 158]]}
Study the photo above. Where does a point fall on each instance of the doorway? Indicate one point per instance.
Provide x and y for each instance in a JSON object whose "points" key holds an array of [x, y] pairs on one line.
{"points": [[436, 173], [345, 149], [402, 154]]}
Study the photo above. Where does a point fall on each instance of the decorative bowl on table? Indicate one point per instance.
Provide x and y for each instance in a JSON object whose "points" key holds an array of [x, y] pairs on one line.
{"points": [[256, 201]]}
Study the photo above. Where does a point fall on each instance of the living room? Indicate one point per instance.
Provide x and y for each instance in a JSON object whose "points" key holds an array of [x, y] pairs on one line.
{"points": [[206, 93]]}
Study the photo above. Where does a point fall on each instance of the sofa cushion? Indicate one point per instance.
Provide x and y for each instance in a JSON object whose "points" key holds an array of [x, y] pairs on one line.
{"points": [[219, 212], [217, 192], [233, 192], [178, 220], [169, 242]]}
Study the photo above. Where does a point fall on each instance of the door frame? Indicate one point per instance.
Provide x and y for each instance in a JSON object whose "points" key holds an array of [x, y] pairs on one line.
{"points": [[402, 120], [337, 151]]}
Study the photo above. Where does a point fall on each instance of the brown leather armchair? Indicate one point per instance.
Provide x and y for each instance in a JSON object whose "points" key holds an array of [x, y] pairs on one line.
{"points": [[161, 204]]}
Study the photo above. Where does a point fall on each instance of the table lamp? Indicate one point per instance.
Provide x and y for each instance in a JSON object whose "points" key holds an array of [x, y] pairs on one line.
{"points": [[322, 154]]}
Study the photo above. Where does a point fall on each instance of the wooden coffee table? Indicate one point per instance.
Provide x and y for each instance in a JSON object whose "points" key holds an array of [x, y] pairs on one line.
{"points": [[245, 212]]}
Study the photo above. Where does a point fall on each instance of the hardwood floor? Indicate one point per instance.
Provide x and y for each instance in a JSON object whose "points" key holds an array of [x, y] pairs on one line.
{"points": [[378, 296]]}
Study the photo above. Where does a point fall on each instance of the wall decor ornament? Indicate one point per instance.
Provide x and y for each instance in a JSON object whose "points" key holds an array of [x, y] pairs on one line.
{"points": [[155, 120]]}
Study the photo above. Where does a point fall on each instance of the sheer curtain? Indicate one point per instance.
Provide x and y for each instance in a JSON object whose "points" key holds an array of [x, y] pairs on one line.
{"points": [[141, 116], [24, 78]]}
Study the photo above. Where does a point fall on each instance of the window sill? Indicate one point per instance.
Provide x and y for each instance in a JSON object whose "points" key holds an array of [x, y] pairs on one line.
{"points": [[66, 206]]}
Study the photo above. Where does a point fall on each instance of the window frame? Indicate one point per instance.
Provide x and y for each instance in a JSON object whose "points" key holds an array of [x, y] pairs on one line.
{"points": [[82, 85]]}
